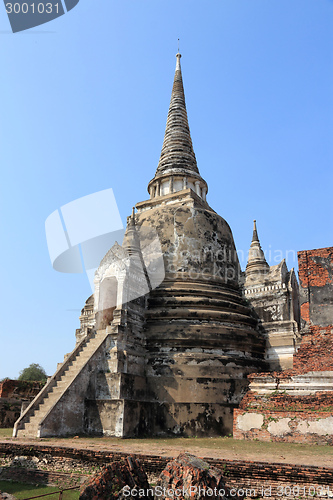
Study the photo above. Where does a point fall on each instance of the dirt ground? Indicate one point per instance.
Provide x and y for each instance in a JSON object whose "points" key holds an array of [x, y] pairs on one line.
{"points": [[221, 448]]}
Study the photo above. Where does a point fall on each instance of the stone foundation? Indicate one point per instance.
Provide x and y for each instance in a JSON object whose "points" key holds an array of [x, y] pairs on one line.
{"points": [[288, 426], [284, 407]]}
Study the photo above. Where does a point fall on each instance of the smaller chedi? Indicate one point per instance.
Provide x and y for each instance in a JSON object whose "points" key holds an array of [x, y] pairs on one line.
{"points": [[273, 293], [174, 327]]}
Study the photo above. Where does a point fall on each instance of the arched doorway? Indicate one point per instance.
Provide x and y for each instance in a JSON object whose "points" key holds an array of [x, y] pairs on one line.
{"points": [[107, 302]]}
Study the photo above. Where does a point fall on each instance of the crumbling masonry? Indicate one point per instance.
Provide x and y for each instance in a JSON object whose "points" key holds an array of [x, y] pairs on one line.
{"points": [[296, 405], [174, 327]]}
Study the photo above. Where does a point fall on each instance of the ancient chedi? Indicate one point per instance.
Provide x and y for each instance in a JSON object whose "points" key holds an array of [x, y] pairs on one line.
{"points": [[273, 293], [160, 352]]}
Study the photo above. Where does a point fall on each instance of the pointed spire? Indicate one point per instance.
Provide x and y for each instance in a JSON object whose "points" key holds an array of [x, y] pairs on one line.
{"points": [[177, 150], [131, 241], [255, 233], [256, 264], [177, 160]]}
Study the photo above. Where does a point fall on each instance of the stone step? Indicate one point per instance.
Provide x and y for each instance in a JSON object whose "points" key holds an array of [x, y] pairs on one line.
{"points": [[42, 407], [29, 427], [50, 394], [89, 350], [62, 384], [84, 353], [39, 414], [30, 433], [72, 369], [49, 399], [65, 379], [42, 411], [82, 358]]}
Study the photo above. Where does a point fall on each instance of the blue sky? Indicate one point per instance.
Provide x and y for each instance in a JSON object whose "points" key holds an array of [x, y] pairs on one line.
{"points": [[84, 106]]}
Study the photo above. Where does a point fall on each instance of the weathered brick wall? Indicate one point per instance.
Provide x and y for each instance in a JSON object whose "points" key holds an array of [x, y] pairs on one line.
{"points": [[12, 392], [10, 410], [316, 281], [281, 402], [237, 474], [287, 418], [282, 408], [316, 302], [316, 350], [19, 389]]}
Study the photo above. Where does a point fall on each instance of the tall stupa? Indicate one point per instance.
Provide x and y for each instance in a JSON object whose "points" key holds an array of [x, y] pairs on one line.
{"points": [[167, 339]]}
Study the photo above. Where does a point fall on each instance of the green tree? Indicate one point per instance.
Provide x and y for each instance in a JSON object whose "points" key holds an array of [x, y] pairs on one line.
{"points": [[33, 372]]}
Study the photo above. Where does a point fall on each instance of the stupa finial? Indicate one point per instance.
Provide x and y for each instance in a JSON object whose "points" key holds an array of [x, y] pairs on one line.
{"points": [[255, 232], [177, 167], [178, 55], [256, 263], [177, 151]]}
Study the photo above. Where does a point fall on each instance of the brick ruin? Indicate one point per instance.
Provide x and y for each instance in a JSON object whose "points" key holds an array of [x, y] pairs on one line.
{"points": [[174, 327], [15, 395], [296, 405], [316, 304]]}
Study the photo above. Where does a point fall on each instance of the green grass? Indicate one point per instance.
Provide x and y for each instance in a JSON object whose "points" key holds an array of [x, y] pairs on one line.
{"points": [[216, 443], [23, 491], [241, 447], [6, 432], [223, 444]]}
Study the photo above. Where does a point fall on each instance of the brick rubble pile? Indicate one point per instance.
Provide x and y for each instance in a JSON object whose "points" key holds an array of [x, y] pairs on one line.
{"points": [[109, 482], [189, 477]]}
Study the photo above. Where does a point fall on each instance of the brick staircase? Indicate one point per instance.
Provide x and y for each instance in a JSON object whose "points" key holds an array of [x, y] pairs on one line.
{"points": [[29, 424]]}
